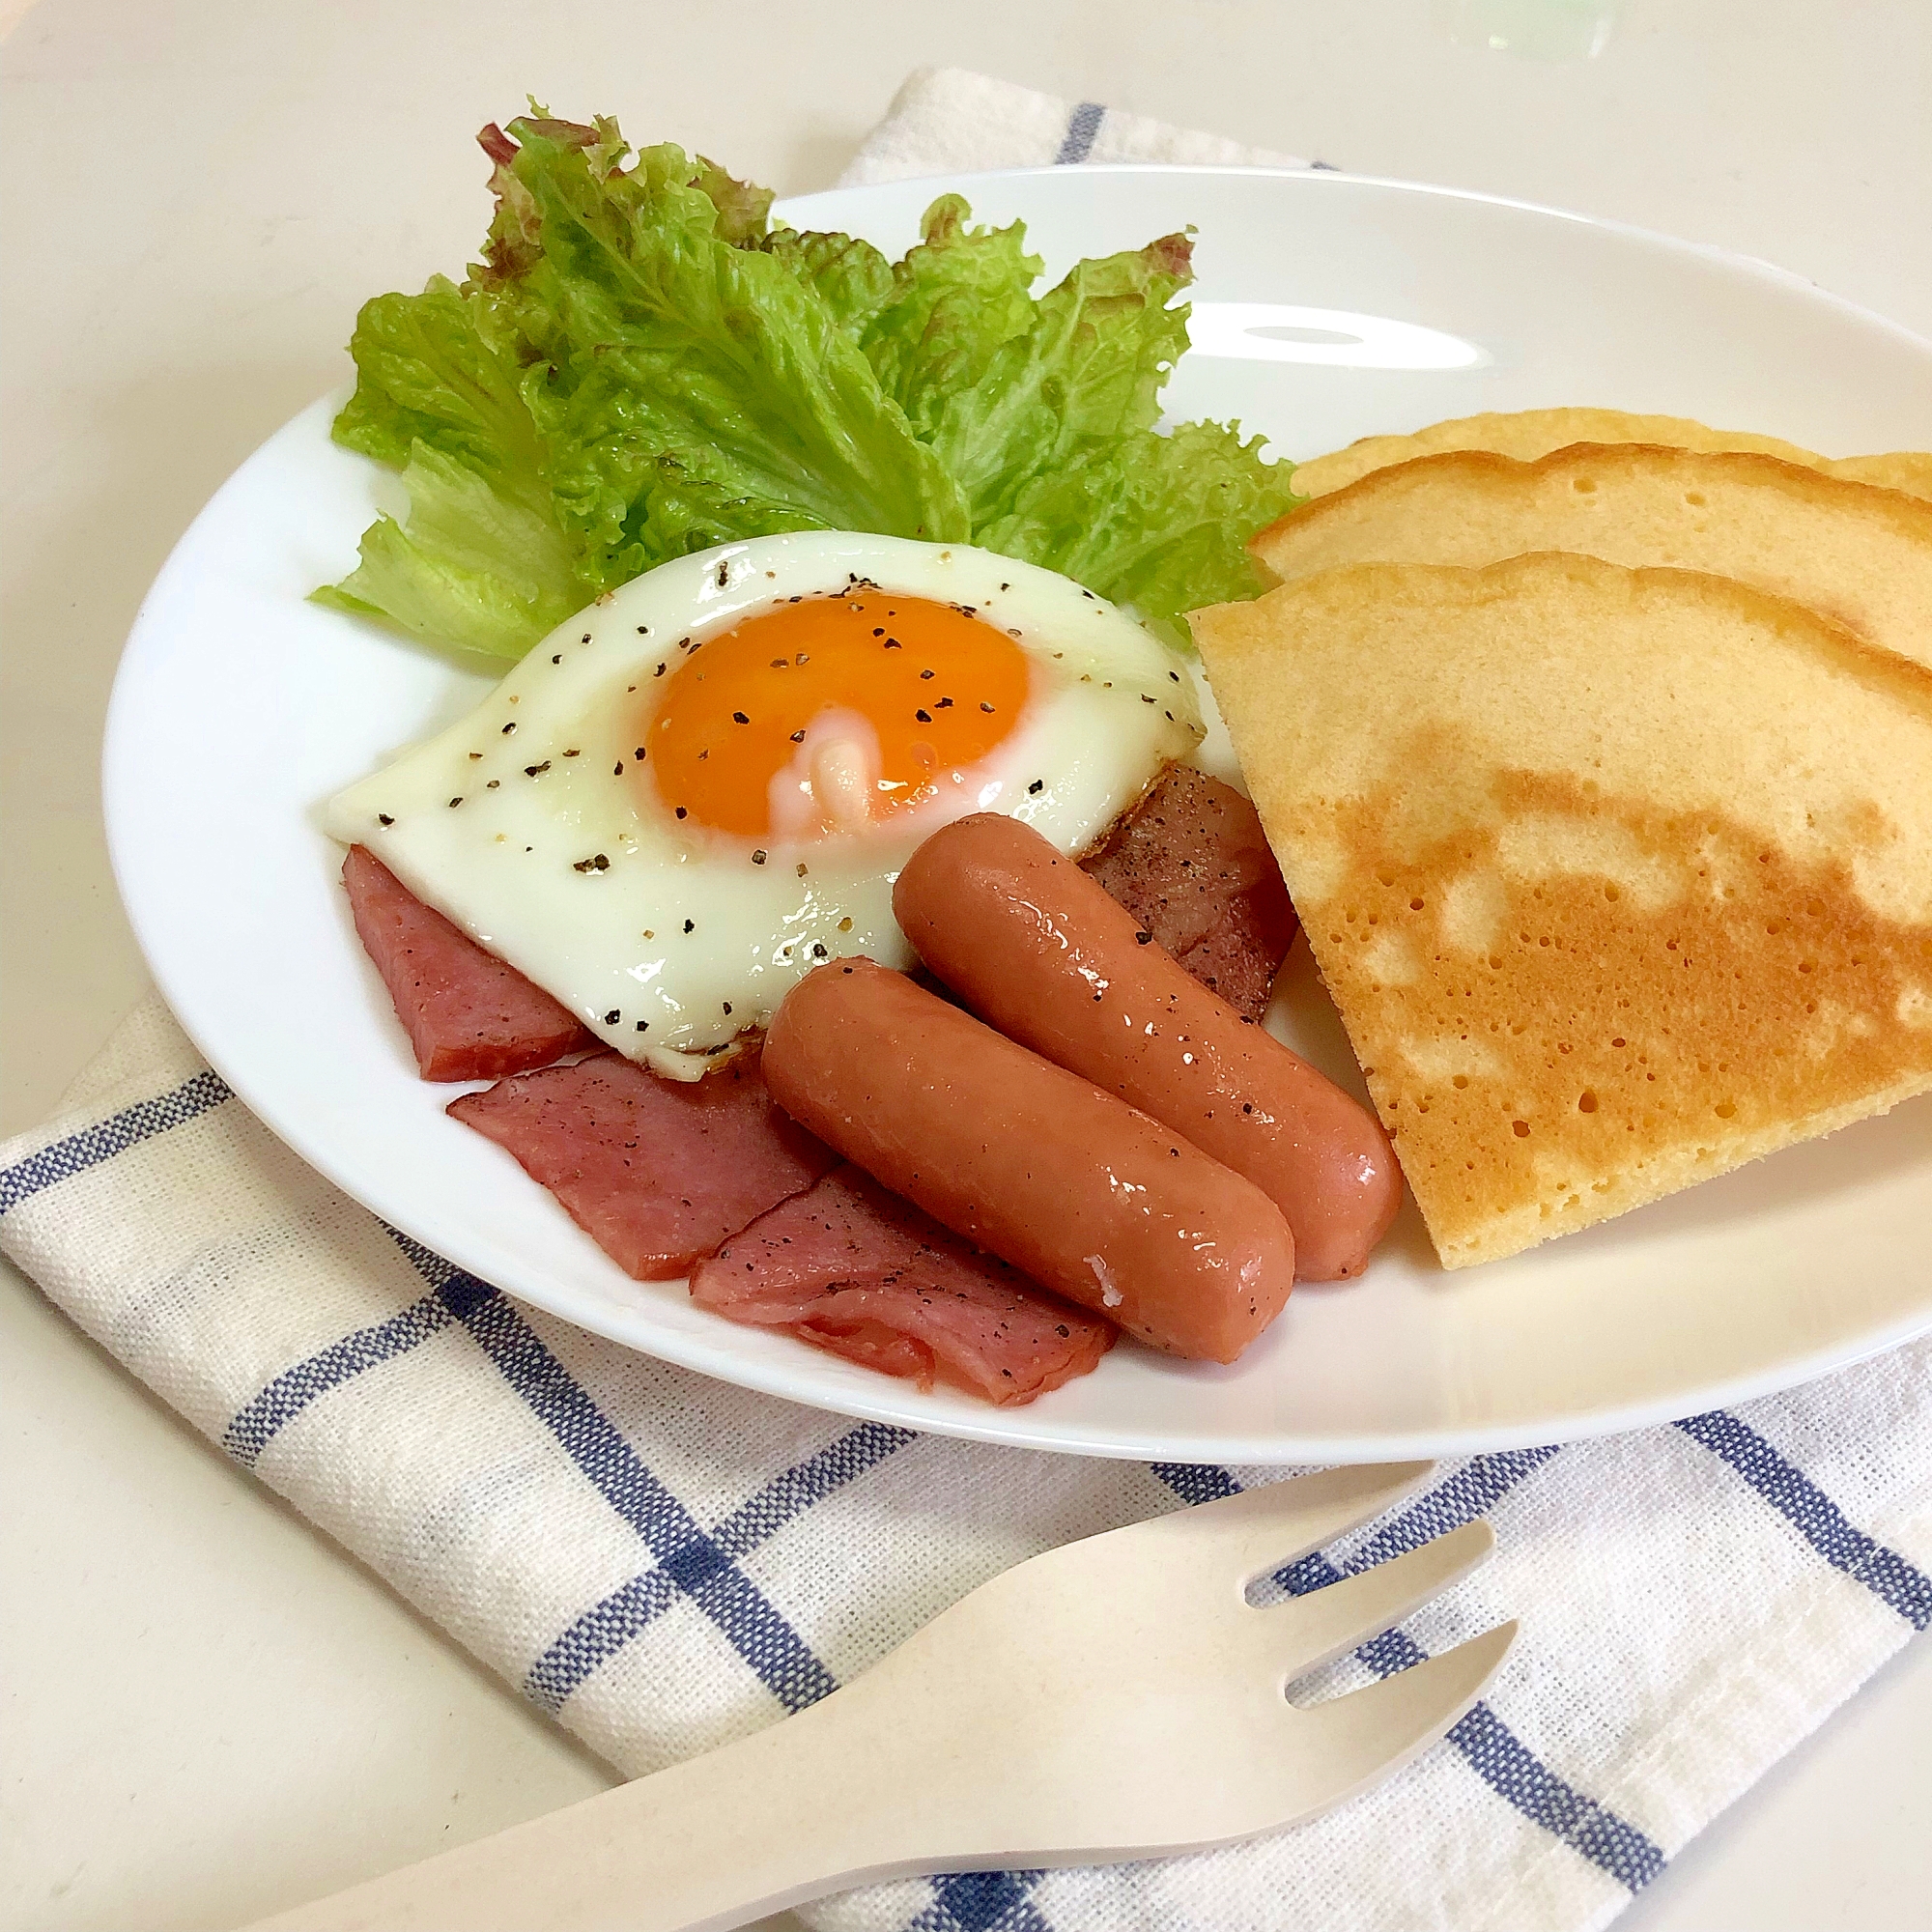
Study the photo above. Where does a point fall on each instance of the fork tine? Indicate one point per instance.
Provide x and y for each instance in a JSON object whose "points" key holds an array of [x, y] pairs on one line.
{"points": [[1326, 1622], [1350, 1741], [1259, 1530]]}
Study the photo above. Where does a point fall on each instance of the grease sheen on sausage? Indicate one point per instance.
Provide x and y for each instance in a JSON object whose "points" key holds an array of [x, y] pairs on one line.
{"points": [[1086, 1194], [1045, 954]]}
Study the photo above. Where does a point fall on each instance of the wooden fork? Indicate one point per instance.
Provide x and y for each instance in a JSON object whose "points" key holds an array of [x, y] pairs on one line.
{"points": [[1114, 1698]]}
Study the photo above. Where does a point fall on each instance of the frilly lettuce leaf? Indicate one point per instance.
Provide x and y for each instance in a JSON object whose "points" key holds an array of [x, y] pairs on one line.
{"points": [[1151, 521], [641, 366], [477, 568]]}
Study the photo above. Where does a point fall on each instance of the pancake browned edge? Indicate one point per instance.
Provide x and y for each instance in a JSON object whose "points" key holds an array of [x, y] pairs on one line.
{"points": [[1858, 554], [1528, 433], [1619, 878]]}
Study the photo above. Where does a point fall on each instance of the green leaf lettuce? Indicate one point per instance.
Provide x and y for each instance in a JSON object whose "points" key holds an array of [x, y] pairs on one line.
{"points": [[640, 367]]}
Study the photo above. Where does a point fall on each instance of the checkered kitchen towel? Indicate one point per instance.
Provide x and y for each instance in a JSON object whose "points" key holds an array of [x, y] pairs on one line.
{"points": [[665, 1563]]}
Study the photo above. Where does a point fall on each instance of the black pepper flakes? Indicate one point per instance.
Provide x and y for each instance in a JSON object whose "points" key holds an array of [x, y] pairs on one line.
{"points": [[726, 1003], [571, 753], [1143, 939], [383, 818], [455, 802], [558, 658], [923, 716], [596, 863], [659, 672], [644, 1026], [817, 951], [690, 926], [798, 737], [739, 717], [985, 707], [1037, 786], [927, 674], [639, 754], [681, 811], [536, 771], [510, 727], [613, 1016], [758, 858], [492, 785]]}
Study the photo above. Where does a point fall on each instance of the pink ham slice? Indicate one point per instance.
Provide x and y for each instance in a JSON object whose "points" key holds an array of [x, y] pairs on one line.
{"points": [[858, 1271], [1191, 863], [656, 1171], [468, 1016]]}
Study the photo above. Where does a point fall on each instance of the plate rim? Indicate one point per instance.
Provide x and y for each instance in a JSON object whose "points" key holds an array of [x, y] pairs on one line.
{"points": [[895, 1402]]}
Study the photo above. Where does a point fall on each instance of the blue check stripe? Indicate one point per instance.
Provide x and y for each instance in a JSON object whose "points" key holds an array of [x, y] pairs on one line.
{"points": [[1890, 1576], [692, 1560], [1490, 1747], [598, 1636], [1083, 125], [989, 1901], [689, 1562], [835, 1466], [455, 1300], [1473, 1490], [607, 1626], [77, 1153]]}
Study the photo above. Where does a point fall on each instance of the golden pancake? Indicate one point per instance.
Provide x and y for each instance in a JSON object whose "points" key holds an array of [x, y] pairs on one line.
{"points": [[1860, 556], [1528, 433], [1619, 878]]}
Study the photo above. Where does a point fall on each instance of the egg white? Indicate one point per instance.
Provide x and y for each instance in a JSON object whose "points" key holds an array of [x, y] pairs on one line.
{"points": [[531, 840]]}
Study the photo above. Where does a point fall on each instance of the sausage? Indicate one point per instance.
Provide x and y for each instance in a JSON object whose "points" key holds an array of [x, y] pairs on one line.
{"points": [[1041, 952], [1075, 1188]]}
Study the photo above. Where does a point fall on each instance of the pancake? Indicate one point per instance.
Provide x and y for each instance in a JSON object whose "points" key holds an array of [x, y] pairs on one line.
{"points": [[1619, 878], [1859, 555], [1528, 433]]}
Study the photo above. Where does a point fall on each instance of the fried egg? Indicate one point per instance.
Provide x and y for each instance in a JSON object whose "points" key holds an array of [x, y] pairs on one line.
{"points": [[706, 783]]}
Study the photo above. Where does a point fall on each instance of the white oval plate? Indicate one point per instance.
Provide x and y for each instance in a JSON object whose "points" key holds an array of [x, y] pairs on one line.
{"points": [[1332, 308]]}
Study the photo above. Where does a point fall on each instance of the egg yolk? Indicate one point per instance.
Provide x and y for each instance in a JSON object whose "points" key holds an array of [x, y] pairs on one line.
{"points": [[831, 713]]}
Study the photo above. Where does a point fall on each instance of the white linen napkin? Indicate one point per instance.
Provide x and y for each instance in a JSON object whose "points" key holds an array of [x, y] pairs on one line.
{"points": [[665, 1563]]}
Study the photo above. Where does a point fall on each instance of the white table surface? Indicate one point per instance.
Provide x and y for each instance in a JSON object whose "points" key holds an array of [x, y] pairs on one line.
{"points": [[209, 1711]]}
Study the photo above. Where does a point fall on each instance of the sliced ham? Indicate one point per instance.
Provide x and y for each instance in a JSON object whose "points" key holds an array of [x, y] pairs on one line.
{"points": [[469, 1015], [856, 1270], [656, 1171], [1191, 863]]}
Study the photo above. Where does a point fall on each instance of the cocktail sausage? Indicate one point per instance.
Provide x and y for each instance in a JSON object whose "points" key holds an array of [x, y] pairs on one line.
{"points": [[1041, 952], [1086, 1194]]}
